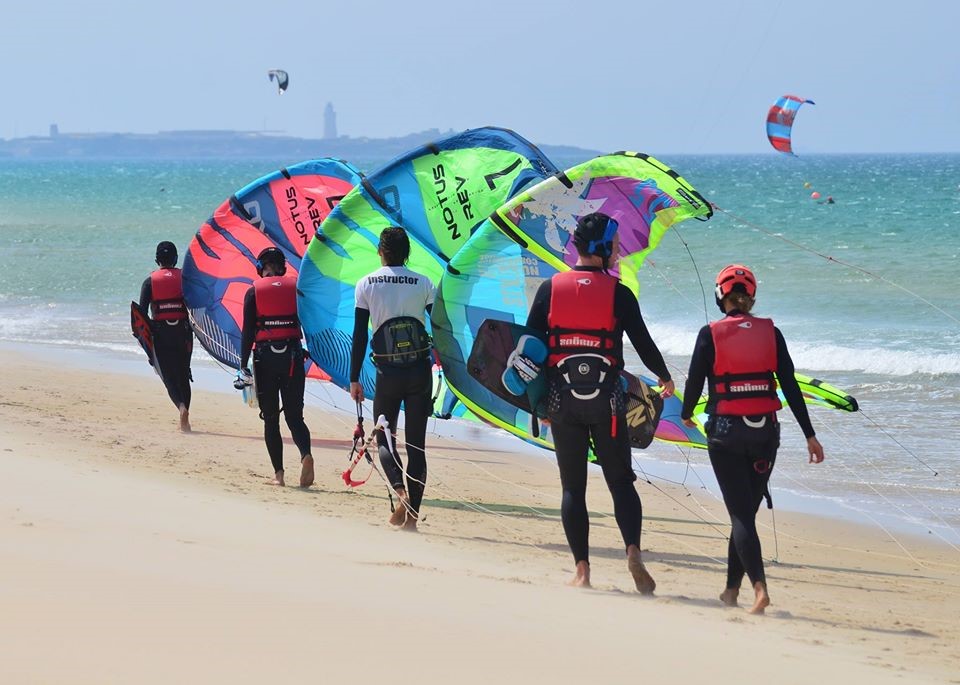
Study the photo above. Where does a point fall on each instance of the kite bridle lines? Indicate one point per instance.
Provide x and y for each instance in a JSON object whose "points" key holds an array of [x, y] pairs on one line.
{"points": [[830, 258]]}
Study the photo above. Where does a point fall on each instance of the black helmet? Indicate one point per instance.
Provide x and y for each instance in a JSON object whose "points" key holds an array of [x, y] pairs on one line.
{"points": [[166, 253], [594, 234], [271, 255]]}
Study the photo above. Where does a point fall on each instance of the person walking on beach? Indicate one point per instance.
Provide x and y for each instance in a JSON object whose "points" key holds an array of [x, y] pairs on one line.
{"points": [[584, 313], [394, 301], [162, 295], [738, 357], [271, 329]]}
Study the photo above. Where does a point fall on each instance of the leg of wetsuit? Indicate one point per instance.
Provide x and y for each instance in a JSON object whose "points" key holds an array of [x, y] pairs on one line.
{"points": [[417, 408], [734, 458], [168, 344], [572, 442], [268, 395], [732, 469], [613, 454], [386, 401], [735, 570], [183, 378], [291, 392]]}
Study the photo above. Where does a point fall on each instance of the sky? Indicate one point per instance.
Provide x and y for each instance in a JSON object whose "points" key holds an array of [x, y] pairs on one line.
{"points": [[667, 77]]}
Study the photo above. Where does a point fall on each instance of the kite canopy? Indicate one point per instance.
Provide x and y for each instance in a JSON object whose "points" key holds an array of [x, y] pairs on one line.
{"points": [[281, 209], [643, 195], [439, 193], [281, 77], [780, 121], [491, 277], [496, 274]]}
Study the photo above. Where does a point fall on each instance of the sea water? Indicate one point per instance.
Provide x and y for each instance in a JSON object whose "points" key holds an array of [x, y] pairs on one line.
{"points": [[77, 239]]}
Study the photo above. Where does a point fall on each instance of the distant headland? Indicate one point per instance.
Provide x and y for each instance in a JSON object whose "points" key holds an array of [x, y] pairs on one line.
{"points": [[216, 144]]}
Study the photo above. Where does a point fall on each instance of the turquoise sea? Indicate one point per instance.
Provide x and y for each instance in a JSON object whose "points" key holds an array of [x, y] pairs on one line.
{"points": [[77, 239]]}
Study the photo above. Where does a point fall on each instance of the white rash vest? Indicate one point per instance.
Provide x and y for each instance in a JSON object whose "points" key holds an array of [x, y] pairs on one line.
{"points": [[393, 291]]}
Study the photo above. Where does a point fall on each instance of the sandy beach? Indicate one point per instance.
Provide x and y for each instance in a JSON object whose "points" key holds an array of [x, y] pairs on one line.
{"points": [[130, 553]]}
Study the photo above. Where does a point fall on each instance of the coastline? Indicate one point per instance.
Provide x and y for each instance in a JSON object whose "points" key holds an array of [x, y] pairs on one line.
{"points": [[657, 464], [145, 555]]}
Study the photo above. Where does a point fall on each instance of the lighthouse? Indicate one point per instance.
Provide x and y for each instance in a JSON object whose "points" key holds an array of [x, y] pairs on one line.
{"points": [[329, 122]]}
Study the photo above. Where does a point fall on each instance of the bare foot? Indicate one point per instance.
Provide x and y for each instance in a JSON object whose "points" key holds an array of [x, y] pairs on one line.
{"points": [[761, 598], [399, 515], [410, 525], [581, 578], [306, 472], [184, 419], [278, 479], [729, 596], [641, 577]]}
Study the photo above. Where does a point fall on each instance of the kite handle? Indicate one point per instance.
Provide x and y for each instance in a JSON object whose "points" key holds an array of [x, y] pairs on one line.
{"points": [[361, 448]]}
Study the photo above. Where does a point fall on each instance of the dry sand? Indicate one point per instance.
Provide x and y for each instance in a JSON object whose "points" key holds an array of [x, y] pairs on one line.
{"points": [[130, 553]]}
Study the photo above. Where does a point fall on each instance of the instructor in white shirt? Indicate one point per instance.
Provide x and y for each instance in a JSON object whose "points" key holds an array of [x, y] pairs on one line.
{"points": [[393, 301]]}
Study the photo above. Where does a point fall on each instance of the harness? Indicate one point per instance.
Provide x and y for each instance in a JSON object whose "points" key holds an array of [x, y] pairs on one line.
{"points": [[400, 343], [743, 382], [166, 287]]}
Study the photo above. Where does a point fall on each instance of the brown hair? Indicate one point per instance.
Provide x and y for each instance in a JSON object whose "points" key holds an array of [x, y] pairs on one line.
{"points": [[394, 246], [740, 301]]}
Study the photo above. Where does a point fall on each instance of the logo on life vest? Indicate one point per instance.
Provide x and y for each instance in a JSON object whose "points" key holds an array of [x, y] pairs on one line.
{"points": [[584, 281], [750, 387], [745, 324], [578, 341]]}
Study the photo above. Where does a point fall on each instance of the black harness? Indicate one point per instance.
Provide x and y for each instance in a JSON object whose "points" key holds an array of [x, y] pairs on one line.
{"points": [[400, 343]]}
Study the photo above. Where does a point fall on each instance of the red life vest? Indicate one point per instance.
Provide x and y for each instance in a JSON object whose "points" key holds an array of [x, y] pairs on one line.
{"points": [[581, 319], [166, 287], [276, 299], [744, 364]]}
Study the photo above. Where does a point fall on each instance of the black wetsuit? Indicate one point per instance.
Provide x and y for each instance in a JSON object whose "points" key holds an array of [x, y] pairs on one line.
{"points": [[173, 345], [572, 434], [411, 387], [279, 372], [742, 456]]}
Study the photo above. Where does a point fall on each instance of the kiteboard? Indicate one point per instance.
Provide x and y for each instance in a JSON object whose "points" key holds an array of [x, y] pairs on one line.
{"points": [[143, 332], [506, 359]]}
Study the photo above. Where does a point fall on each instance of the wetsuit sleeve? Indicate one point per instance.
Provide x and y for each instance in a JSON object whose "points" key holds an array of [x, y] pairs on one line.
{"points": [[537, 318], [791, 391], [361, 322], [249, 331], [627, 311], [700, 364], [146, 295]]}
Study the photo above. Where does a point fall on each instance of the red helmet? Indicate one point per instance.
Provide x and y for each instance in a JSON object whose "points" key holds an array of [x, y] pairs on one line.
{"points": [[731, 277]]}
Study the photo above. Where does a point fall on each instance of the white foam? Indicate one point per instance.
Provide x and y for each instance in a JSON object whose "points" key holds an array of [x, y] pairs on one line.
{"points": [[873, 360], [679, 340], [671, 339]]}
